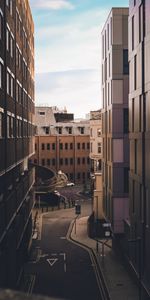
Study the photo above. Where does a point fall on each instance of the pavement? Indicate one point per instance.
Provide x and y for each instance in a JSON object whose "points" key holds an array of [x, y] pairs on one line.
{"points": [[119, 283]]}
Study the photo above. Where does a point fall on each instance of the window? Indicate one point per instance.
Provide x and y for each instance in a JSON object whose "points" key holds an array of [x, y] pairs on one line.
{"points": [[35, 147], [9, 5], [126, 180], [1, 25], [10, 83], [78, 160], [83, 145], [83, 160], [70, 130], [42, 113], [43, 162], [135, 72], [53, 146], [135, 156], [71, 161], [66, 146], [88, 160], [61, 161], [48, 146], [99, 132], [10, 126], [133, 33], [88, 146], [132, 115], [108, 36], [125, 62], [91, 147], [140, 113], [53, 162], [48, 162], [140, 23], [35, 161], [59, 129], [61, 146], [78, 146], [66, 161], [78, 176], [83, 175], [126, 120], [47, 130], [82, 130], [91, 131], [43, 147], [99, 148], [1, 74], [71, 146]]}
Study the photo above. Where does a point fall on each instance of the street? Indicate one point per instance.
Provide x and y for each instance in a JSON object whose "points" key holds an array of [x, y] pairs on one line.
{"points": [[62, 269]]}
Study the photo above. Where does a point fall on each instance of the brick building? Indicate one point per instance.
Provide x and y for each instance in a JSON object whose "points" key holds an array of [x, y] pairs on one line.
{"points": [[16, 136], [62, 144]]}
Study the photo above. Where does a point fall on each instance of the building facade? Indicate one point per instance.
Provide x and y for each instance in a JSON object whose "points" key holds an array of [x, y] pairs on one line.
{"points": [[96, 140], [139, 126], [115, 82], [96, 163], [61, 144], [16, 136]]}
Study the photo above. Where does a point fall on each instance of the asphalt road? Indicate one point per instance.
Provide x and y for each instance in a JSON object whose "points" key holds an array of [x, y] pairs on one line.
{"points": [[63, 269]]}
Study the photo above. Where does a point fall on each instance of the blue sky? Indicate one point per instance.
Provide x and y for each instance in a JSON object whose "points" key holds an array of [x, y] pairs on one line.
{"points": [[68, 52]]}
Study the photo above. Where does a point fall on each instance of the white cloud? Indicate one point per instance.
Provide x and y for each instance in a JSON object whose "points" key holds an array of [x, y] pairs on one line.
{"points": [[51, 4], [78, 90]]}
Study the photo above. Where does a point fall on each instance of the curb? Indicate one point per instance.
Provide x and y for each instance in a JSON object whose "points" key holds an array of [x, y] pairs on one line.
{"points": [[99, 275]]}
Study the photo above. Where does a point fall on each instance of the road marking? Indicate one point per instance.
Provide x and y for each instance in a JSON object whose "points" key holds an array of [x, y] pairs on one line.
{"points": [[52, 261], [64, 255], [65, 265], [63, 237], [54, 254]]}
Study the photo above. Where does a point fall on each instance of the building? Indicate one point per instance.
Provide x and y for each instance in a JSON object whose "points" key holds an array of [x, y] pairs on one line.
{"points": [[62, 145], [96, 163], [16, 137], [139, 127], [96, 140], [115, 81]]}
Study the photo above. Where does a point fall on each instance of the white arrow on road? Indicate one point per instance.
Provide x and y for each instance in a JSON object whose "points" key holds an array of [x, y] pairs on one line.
{"points": [[52, 261]]}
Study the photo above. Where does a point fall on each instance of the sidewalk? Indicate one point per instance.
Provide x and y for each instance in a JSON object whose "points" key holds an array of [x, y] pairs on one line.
{"points": [[119, 282]]}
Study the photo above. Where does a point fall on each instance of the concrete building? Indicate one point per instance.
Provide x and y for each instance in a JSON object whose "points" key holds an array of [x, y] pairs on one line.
{"points": [[16, 136], [62, 144], [139, 127], [115, 77], [96, 162]]}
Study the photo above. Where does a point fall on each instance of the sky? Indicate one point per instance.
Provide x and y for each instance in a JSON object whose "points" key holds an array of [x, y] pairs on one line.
{"points": [[68, 52]]}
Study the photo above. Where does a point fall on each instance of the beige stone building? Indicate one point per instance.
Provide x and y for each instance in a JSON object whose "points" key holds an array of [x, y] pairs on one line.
{"points": [[96, 162]]}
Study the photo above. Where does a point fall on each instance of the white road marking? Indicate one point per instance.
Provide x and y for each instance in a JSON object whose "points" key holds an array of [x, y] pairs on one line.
{"points": [[54, 254], [52, 261], [65, 265], [63, 238]]}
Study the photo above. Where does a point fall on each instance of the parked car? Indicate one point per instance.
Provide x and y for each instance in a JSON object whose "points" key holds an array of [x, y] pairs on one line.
{"points": [[70, 184]]}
